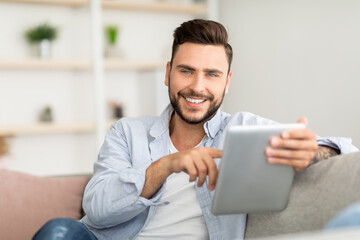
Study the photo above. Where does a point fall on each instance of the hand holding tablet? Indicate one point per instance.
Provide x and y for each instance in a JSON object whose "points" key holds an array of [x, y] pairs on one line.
{"points": [[247, 182], [297, 148]]}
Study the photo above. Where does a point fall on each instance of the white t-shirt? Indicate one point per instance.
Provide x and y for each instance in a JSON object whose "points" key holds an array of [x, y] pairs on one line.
{"points": [[180, 219]]}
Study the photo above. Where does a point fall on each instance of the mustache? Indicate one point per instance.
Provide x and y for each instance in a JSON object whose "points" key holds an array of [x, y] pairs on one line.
{"points": [[192, 93]]}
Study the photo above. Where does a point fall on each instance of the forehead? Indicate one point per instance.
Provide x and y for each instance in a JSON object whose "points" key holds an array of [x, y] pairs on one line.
{"points": [[201, 56]]}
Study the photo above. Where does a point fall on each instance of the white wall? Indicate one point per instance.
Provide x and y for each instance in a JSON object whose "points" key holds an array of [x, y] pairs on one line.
{"points": [[143, 35], [297, 58]]}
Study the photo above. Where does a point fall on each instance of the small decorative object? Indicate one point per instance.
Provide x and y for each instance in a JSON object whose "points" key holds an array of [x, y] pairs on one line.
{"points": [[111, 34], [46, 114], [41, 37], [117, 110]]}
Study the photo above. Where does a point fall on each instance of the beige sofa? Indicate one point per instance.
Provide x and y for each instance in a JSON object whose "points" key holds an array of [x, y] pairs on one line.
{"points": [[27, 202]]}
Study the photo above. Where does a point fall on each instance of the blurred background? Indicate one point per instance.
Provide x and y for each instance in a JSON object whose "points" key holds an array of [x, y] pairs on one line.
{"points": [[69, 68]]}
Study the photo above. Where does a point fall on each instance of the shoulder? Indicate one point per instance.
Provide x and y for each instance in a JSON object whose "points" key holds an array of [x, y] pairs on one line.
{"points": [[130, 124], [247, 118]]}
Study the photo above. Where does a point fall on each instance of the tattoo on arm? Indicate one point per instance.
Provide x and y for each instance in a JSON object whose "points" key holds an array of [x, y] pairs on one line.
{"points": [[324, 153]]}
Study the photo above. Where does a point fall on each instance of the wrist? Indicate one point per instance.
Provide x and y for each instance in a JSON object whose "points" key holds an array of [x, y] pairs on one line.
{"points": [[165, 165]]}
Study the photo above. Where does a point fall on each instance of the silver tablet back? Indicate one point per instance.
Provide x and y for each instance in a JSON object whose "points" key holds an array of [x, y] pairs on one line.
{"points": [[246, 182]]}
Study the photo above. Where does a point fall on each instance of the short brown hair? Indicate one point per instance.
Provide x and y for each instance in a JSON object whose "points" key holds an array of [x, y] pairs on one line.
{"points": [[202, 32]]}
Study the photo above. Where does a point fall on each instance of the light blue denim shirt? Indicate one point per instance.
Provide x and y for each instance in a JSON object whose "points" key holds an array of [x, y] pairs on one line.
{"points": [[112, 202]]}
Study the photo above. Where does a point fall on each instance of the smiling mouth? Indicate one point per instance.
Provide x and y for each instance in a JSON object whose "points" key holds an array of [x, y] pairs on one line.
{"points": [[195, 101]]}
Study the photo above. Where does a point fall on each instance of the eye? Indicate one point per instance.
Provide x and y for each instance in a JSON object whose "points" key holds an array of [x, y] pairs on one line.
{"points": [[186, 71], [212, 74]]}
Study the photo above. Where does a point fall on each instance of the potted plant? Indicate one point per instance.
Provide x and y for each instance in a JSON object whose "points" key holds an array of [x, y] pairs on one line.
{"points": [[111, 35], [41, 36], [46, 114]]}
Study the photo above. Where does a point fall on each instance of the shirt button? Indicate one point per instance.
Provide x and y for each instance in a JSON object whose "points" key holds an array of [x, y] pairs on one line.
{"points": [[135, 197], [128, 239]]}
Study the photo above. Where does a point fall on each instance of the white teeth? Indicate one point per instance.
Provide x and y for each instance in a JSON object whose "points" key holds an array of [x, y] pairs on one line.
{"points": [[197, 101]]}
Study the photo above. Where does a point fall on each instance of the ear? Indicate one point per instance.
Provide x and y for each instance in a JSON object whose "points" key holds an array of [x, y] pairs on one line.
{"points": [[167, 75], [228, 80]]}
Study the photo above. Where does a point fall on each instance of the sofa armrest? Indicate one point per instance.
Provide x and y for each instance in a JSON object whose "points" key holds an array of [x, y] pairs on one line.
{"points": [[27, 201], [318, 193]]}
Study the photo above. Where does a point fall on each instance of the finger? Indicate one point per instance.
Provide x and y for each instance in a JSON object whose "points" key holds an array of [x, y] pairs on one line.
{"points": [[298, 165], [303, 120], [289, 154], [191, 169], [214, 153], [202, 171], [293, 144], [298, 134], [212, 171]]}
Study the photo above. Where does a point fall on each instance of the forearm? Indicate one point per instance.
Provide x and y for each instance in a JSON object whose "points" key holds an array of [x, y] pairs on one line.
{"points": [[110, 200], [155, 177], [323, 153]]}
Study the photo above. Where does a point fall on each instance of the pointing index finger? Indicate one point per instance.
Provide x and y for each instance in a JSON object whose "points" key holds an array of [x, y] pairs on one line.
{"points": [[215, 153]]}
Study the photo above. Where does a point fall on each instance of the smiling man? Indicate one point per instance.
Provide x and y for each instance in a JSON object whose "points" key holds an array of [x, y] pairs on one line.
{"points": [[155, 175]]}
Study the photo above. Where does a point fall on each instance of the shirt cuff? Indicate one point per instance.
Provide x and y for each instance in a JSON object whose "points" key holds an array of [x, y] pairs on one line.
{"points": [[342, 144]]}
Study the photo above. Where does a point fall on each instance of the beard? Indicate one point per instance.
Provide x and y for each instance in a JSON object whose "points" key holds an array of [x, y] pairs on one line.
{"points": [[214, 105]]}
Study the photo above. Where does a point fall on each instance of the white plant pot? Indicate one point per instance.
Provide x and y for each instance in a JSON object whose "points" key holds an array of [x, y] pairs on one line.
{"points": [[44, 49]]}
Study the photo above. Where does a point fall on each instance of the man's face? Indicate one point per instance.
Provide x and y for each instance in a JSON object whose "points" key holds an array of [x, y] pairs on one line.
{"points": [[197, 80]]}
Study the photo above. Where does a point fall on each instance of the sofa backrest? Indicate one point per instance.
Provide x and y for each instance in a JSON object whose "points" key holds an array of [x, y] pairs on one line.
{"points": [[318, 193], [27, 202]]}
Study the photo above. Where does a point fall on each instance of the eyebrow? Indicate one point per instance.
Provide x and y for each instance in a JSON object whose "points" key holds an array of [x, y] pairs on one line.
{"points": [[207, 70]]}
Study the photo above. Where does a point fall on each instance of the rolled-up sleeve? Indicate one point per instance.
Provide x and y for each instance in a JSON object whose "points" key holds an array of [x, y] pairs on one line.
{"points": [[344, 145]]}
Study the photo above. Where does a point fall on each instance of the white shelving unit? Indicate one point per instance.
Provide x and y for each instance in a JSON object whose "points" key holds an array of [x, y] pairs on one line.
{"points": [[103, 72]]}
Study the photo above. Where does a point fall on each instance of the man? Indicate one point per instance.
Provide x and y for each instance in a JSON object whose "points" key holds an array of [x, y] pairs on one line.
{"points": [[156, 175]]}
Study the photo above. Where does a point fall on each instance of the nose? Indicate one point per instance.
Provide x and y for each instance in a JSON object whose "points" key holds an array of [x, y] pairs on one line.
{"points": [[198, 84]]}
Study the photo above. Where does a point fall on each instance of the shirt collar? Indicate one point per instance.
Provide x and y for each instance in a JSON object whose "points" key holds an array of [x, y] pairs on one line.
{"points": [[211, 127], [162, 124]]}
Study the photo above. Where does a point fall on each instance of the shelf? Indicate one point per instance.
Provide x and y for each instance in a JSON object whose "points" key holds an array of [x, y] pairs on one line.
{"points": [[189, 8], [46, 128], [58, 64], [194, 8], [121, 64], [73, 3], [49, 128], [39, 64]]}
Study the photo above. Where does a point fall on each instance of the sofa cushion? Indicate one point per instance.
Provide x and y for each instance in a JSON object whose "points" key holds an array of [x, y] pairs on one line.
{"points": [[318, 193], [27, 202]]}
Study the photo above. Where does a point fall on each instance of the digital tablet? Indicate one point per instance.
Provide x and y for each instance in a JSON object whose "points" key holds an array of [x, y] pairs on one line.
{"points": [[246, 182]]}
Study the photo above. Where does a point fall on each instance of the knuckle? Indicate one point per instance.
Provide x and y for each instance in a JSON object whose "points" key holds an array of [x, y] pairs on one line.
{"points": [[304, 164], [201, 148], [291, 154], [202, 170], [193, 174], [213, 165]]}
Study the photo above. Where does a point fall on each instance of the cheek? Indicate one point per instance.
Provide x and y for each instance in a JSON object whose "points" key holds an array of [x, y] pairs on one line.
{"points": [[218, 88], [176, 84]]}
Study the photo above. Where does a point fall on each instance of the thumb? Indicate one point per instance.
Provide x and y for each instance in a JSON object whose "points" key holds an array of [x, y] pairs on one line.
{"points": [[303, 120]]}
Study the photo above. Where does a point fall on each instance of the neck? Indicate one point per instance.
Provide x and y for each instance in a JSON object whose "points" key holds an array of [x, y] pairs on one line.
{"points": [[184, 135]]}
